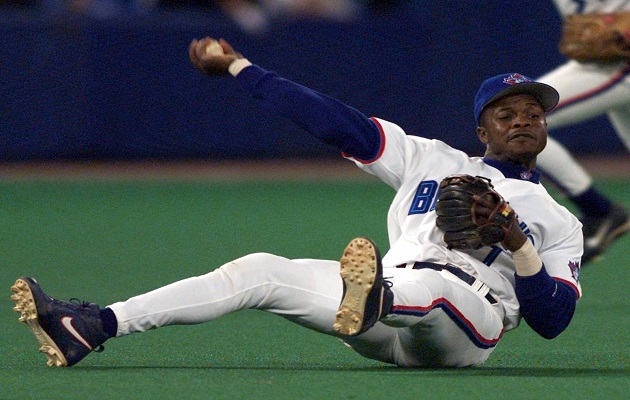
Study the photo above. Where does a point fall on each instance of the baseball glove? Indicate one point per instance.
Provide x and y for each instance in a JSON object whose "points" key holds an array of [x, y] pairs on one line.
{"points": [[596, 37], [471, 213]]}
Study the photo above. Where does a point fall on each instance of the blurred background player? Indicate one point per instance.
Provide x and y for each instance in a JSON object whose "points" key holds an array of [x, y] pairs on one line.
{"points": [[604, 89]]}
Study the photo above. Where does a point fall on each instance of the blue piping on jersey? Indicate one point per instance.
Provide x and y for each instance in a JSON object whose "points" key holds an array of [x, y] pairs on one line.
{"points": [[514, 171]]}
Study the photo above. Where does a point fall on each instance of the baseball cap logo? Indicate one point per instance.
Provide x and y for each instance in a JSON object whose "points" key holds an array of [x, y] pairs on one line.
{"points": [[514, 79]]}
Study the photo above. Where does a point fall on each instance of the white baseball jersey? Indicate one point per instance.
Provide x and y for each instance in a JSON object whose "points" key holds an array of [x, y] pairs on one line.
{"points": [[414, 167]]}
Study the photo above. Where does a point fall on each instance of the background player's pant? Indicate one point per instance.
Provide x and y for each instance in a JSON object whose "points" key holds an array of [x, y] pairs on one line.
{"points": [[308, 292], [586, 91]]}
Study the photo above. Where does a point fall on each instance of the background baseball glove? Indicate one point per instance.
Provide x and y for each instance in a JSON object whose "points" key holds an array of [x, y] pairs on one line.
{"points": [[471, 213], [596, 37]]}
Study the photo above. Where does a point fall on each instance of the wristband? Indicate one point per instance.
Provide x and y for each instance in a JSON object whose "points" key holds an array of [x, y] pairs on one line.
{"points": [[238, 65], [527, 260]]}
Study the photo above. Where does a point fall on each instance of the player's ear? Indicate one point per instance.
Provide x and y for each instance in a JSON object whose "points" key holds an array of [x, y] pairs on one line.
{"points": [[482, 134]]}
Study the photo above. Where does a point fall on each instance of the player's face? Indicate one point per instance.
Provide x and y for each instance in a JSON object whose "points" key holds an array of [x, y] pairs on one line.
{"points": [[514, 129]]}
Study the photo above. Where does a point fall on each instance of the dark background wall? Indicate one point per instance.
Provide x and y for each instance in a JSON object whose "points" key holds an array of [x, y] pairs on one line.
{"points": [[123, 88]]}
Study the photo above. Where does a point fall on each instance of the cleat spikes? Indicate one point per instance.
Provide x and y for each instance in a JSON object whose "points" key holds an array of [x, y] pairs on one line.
{"points": [[364, 299]]}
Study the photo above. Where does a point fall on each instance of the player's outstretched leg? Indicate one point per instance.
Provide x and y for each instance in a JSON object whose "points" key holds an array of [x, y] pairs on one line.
{"points": [[366, 298], [66, 331]]}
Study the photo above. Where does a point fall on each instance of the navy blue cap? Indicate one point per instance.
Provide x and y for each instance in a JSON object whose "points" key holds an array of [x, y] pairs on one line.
{"points": [[514, 83]]}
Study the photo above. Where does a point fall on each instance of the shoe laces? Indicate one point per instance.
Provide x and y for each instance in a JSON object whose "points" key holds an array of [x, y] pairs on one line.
{"points": [[82, 306], [79, 303]]}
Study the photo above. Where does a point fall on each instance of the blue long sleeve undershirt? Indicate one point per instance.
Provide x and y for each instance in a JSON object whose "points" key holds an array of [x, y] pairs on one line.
{"points": [[327, 119], [546, 305]]}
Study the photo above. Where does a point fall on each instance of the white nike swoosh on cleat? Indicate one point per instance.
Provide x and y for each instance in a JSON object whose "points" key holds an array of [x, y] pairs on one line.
{"points": [[67, 323]]}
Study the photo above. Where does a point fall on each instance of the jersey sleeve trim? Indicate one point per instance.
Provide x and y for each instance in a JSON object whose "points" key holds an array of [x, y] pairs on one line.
{"points": [[570, 284], [380, 149]]}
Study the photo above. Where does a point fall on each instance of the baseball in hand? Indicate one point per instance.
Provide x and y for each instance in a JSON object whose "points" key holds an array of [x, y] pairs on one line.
{"points": [[214, 48]]}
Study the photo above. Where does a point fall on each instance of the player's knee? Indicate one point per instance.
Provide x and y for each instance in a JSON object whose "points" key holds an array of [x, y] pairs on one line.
{"points": [[256, 269], [255, 261]]}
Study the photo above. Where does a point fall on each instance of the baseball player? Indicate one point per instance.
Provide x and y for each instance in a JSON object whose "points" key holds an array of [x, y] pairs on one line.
{"points": [[440, 297], [603, 88]]}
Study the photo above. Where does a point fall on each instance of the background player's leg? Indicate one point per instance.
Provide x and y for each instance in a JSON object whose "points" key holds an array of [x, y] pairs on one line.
{"points": [[304, 291], [620, 120], [601, 89], [560, 166]]}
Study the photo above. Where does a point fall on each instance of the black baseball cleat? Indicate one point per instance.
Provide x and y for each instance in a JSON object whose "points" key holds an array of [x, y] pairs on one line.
{"points": [[66, 331], [599, 233], [366, 296]]}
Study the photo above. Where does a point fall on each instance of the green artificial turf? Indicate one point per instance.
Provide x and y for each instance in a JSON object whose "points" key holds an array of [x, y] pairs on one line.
{"points": [[107, 241]]}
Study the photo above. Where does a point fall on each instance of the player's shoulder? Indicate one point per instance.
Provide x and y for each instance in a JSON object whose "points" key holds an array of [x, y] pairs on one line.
{"points": [[395, 136], [532, 200]]}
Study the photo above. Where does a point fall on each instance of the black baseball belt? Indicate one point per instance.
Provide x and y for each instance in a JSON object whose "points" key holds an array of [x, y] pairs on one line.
{"points": [[464, 276]]}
